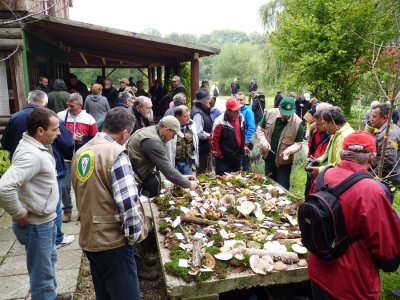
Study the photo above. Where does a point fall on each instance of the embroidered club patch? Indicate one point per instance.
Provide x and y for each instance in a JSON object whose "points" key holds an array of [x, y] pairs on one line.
{"points": [[85, 165], [288, 106]]}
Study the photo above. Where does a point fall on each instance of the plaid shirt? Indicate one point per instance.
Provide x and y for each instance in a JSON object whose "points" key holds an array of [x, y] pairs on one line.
{"points": [[125, 195]]}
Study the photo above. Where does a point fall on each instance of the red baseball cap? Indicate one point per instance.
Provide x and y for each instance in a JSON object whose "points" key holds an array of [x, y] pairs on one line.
{"points": [[233, 104], [360, 141]]}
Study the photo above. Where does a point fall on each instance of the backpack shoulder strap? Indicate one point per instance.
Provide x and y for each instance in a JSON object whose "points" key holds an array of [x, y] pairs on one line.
{"points": [[348, 182], [319, 181], [66, 117]]}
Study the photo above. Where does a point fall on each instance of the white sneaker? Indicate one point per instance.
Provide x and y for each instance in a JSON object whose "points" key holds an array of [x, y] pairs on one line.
{"points": [[68, 239]]}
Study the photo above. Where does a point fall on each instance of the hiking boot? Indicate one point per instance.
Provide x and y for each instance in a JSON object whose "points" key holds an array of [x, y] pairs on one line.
{"points": [[150, 260], [64, 296], [67, 217], [148, 274], [67, 239]]}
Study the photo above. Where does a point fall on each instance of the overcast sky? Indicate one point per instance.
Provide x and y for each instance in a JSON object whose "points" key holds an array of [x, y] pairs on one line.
{"points": [[167, 16]]}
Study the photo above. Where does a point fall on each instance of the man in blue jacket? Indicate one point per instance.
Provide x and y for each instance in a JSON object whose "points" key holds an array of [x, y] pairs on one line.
{"points": [[250, 127], [16, 126]]}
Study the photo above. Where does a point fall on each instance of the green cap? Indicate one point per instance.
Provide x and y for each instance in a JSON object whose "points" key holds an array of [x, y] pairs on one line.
{"points": [[287, 106]]}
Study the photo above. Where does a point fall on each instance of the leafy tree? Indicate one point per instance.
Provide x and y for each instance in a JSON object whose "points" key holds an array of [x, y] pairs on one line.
{"points": [[236, 60], [322, 41]]}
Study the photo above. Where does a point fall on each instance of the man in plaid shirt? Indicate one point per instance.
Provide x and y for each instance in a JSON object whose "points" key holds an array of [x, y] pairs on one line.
{"points": [[106, 197]]}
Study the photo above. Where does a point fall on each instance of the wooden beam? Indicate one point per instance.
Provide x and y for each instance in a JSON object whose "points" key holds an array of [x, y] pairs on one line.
{"points": [[104, 61], [10, 44], [83, 58], [10, 33]]}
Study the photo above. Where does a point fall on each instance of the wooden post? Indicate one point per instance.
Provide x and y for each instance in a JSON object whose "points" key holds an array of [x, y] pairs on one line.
{"points": [[159, 75], [177, 69], [19, 79], [167, 74], [194, 74]]}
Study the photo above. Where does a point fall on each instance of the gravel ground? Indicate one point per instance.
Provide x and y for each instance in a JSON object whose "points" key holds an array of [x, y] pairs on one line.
{"points": [[149, 290]]}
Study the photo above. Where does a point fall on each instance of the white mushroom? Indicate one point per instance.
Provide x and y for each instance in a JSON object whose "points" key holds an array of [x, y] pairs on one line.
{"points": [[223, 256], [299, 249], [302, 263], [228, 200], [280, 266], [246, 207], [275, 246], [260, 265], [259, 213]]}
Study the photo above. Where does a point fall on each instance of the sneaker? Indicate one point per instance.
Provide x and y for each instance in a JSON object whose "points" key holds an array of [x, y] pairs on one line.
{"points": [[396, 293], [68, 239], [67, 217]]}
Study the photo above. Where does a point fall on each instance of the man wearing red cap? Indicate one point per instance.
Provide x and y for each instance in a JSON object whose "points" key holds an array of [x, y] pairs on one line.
{"points": [[368, 215], [227, 140]]}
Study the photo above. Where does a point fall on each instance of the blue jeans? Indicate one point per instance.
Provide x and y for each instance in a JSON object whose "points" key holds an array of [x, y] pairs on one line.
{"points": [[66, 188], [184, 167], [114, 274], [41, 257], [60, 234]]}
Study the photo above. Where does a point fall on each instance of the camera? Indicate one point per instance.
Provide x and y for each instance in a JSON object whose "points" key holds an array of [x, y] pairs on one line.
{"points": [[312, 162]]}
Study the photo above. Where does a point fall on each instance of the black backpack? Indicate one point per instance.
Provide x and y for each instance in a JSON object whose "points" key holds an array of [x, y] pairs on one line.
{"points": [[321, 221]]}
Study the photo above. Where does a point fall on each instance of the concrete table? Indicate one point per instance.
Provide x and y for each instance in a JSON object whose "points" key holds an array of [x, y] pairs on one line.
{"points": [[177, 288]]}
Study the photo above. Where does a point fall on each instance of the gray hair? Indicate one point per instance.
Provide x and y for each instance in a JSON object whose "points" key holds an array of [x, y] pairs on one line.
{"points": [[39, 97], [323, 106], [293, 95], [76, 97], [140, 100], [179, 99], [358, 157]]}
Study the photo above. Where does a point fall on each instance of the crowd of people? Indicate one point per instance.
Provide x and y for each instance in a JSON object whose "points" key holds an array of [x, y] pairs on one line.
{"points": [[111, 145]]}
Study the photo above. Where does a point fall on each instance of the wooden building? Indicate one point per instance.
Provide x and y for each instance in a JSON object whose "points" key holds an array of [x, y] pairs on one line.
{"points": [[36, 37]]}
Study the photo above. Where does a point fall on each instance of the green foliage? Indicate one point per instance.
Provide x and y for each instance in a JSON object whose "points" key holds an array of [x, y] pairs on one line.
{"points": [[237, 60], [4, 161], [88, 76], [322, 42]]}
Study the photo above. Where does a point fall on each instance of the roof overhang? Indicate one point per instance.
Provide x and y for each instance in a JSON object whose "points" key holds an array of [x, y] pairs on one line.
{"points": [[91, 45]]}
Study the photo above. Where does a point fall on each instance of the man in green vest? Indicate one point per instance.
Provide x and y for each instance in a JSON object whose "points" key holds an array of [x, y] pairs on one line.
{"points": [[280, 133], [106, 198], [147, 151]]}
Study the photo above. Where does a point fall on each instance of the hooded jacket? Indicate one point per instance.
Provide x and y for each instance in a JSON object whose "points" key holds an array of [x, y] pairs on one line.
{"points": [[97, 106]]}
